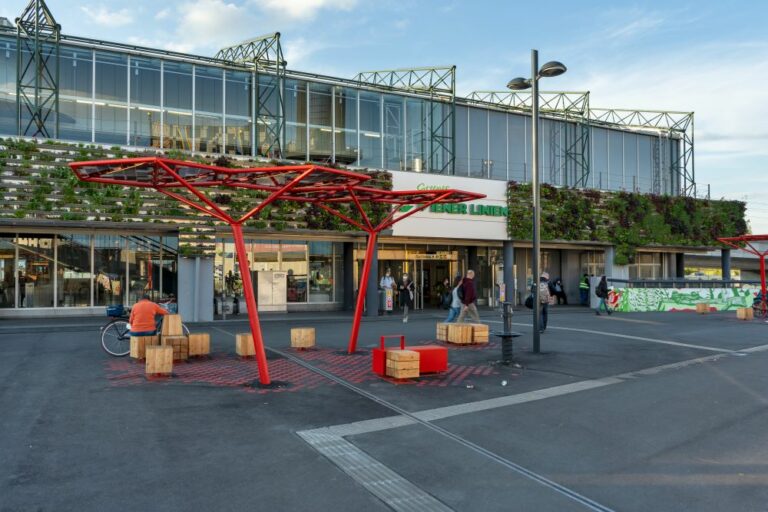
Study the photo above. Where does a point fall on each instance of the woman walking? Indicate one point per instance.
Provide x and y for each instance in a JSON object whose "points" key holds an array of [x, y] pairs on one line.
{"points": [[602, 293], [455, 304], [407, 288]]}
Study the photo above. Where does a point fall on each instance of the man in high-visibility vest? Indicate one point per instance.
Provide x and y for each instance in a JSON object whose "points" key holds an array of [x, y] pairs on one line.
{"points": [[584, 290]]}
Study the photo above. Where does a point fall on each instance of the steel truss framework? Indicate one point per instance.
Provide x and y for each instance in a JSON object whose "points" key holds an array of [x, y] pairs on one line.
{"points": [[191, 184], [37, 71], [265, 54], [570, 140], [666, 123], [440, 84]]}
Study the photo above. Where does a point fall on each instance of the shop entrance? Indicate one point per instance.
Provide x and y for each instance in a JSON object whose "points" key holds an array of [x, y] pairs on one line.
{"points": [[426, 268]]}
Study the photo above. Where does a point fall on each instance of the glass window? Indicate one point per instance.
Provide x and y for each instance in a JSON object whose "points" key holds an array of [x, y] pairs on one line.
{"points": [[321, 271], [169, 277], [111, 77], [177, 85], [8, 85], [645, 159], [346, 125], [35, 268], [73, 270], [268, 113], [417, 135], [616, 160], [74, 119], [478, 142], [320, 123], [338, 271], [238, 136], [209, 133], [143, 257], [75, 73], [600, 158], [370, 129], [264, 254], [7, 272], [394, 131], [630, 161], [518, 143], [208, 90], [647, 266], [462, 141], [145, 102], [295, 264], [109, 260], [295, 120], [226, 274], [111, 123], [498, 140]]}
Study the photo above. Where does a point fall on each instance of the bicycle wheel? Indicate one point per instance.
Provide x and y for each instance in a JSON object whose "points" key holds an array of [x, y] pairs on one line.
{"points": [[116, 338], [760, 309]]}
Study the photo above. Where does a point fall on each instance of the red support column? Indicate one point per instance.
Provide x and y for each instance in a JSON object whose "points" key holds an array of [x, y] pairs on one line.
{"points": [[361, 289], [762, 276], [250, 302]]}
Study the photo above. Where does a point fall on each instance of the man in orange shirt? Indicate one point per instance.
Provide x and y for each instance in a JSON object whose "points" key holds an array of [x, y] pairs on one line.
{"points": [[143, 317]]}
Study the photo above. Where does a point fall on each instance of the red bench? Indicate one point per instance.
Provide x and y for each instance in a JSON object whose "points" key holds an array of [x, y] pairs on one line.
{"points": [[432, 358]]}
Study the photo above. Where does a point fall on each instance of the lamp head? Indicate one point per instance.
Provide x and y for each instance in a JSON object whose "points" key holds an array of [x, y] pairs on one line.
{"points": [[552, 68], [519, 84]]}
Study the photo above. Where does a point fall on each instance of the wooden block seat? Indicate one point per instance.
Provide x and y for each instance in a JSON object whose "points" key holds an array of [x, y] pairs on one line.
{"points": [[460, 334], [199, 344], [402, 364], [479, 333], [171, 326], [180, 346], [302, 337], [159, 360], [702, 308], [244, 345], [442, 332], [745, 313], [139, 344]]}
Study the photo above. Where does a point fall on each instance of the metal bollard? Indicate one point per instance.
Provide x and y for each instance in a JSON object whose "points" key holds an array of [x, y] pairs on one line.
{"points": [[506, 340]]}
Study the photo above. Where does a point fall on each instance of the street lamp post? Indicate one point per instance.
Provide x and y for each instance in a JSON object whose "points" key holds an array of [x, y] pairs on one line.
{"points": [[552, 68]]}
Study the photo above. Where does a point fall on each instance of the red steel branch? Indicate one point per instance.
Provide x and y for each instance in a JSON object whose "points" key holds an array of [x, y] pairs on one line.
{"points": [[743, 243], [288, 183]]}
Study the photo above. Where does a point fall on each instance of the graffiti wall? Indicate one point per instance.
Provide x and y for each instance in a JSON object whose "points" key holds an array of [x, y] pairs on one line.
{"points": [[679, 299]]}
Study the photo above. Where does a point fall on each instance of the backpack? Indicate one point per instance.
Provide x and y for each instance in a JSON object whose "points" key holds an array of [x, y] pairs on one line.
{"points": [[544, 292], [460, 292]]}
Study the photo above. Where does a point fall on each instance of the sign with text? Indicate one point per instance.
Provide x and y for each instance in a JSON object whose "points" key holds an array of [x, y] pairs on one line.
{"points": [[484, 219]]}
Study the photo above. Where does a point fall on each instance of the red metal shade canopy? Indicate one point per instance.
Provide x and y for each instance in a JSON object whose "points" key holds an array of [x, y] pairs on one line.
{"points": [[325, 187], [743, 243]]}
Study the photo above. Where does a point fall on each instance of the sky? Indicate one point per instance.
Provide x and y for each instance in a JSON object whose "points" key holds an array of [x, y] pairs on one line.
{"points": [[707, 57]]}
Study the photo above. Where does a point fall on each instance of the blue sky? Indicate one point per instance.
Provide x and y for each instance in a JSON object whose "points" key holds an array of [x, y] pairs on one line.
{"points": [[707, 57]]}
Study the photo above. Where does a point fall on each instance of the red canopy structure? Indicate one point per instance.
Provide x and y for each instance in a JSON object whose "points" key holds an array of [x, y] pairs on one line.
{"points": [[744, 242], [325, 187]]}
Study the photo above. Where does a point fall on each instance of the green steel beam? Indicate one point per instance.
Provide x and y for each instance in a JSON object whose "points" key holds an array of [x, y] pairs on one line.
{"points": [[37, 66]]}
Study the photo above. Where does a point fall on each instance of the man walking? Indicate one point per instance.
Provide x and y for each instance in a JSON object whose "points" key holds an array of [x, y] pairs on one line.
{"points": [[468, 297], [544, 298], [602, 294]]}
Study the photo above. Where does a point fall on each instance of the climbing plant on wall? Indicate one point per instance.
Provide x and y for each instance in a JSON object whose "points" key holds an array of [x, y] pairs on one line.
{"points": [[624, 219]]}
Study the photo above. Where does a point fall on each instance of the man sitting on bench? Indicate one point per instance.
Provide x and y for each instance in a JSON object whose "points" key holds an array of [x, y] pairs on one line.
{"points": [[142, 319]]}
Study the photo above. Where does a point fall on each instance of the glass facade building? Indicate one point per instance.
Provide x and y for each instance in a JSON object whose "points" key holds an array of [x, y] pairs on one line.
{"points": [[127, 97]]}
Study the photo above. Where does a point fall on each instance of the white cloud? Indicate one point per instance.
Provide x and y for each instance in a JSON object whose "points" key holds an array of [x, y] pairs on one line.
{"points": [[303, 9], [103, 16], [208, 25], [637, 26], [163, 14]]}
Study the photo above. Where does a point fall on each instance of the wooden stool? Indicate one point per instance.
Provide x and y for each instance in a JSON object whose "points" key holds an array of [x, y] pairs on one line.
{"points": [[702, 308], [479, 333], [172, 326], [302, 337], [139, 344], [244, 345], [159, 360], [442, 332], [745, 313], [199, 344], [402, 364]]}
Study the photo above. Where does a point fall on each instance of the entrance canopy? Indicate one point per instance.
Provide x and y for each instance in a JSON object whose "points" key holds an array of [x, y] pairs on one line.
{"points": [[191, 184]]}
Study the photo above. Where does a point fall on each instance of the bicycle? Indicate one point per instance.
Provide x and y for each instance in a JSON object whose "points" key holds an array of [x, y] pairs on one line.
{"points": [[760, 306], [116, 336]]}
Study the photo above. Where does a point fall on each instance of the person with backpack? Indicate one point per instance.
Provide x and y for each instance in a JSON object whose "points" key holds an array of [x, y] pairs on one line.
{"points": [[559, 291], [407, 290], [602, 293], [455, 305], [544, 298], [468, 297]]}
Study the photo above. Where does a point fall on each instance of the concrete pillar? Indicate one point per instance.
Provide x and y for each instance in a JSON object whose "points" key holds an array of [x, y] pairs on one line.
{"points": [[195, 289], [680, 265], [725, 264], [509, 266], [372, 293], [349, 272]]}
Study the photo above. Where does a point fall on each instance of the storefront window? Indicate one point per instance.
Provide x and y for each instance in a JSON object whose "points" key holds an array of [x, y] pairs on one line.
{"points": [[177, 119], [35, 271], [209, 121], [73, 270], [143, 257], [7, 271], [370, 130], [320, 130], [109, 269], [264, 254], [169, 279], [294, 256], [295, 120], [321, 271], [345, 130], [647, 266]]}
